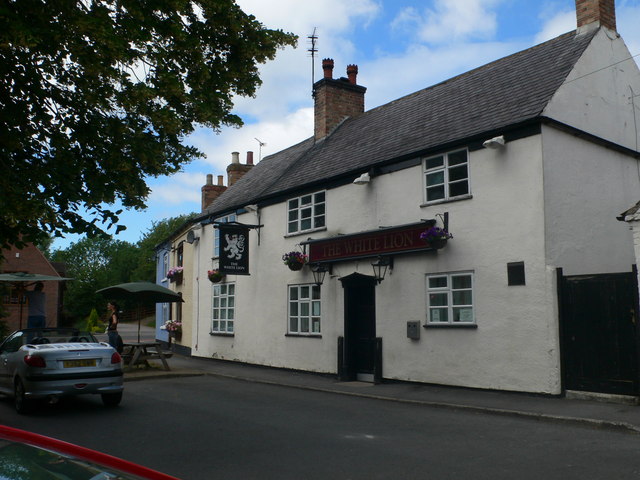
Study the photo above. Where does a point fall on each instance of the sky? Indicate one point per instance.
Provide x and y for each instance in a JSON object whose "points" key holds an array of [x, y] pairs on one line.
{"points": [[400, 46]]}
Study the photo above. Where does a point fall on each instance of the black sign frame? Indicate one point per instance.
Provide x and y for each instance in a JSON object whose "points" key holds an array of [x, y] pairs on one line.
{"points": [[234, 249]]}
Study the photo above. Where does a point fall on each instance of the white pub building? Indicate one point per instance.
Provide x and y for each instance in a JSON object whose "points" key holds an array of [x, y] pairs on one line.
{"points": [[526, 162]]}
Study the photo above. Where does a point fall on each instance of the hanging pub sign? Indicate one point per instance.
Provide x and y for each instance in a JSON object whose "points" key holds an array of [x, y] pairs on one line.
{"points": [[234, 249]]}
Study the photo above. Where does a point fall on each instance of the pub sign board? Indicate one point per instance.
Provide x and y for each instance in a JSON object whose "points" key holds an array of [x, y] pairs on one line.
{"points": [[385, 241], [234, 249]]}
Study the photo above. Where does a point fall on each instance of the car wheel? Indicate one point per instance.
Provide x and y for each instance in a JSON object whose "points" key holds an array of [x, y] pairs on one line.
{"points": [[111, 399], [22, 404]]}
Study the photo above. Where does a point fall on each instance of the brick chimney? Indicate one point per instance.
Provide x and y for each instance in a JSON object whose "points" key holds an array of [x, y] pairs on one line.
{"points": [[336, 99], [596, 13], [210, 191], [236, 170]]}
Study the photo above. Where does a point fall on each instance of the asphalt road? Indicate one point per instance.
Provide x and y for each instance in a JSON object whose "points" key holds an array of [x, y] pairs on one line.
{"points": [[200, 428]]}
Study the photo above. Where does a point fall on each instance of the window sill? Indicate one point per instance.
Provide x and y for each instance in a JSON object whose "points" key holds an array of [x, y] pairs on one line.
{"points": [[220, 334], [303, 335], [447, 200], [305, 232], [472, 326]]}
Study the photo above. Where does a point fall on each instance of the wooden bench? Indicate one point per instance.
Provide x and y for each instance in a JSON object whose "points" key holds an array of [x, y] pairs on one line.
{"points": [[140, 353]]}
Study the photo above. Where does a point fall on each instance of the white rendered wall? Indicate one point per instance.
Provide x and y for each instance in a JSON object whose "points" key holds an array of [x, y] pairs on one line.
{"points": [[586, 188], [597, 95], [515, 344]]}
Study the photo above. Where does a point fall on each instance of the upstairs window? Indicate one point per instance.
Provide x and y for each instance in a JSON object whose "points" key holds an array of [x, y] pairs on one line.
{"points": [[306, 213], [447, 176]]}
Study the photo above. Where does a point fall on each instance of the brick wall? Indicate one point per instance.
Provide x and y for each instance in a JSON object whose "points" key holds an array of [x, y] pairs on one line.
{"points": [[31, 260], [601, 11], [336, 99]]}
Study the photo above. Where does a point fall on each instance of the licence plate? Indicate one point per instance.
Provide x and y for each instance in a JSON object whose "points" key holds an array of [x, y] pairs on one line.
{"points": [[79, 363]]}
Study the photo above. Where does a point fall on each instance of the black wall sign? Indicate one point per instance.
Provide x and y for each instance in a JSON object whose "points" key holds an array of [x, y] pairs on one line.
{"points": [[234, 249]]}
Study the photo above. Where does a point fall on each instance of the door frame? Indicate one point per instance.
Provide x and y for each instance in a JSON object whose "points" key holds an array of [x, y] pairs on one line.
{"points": [[347, 345]]}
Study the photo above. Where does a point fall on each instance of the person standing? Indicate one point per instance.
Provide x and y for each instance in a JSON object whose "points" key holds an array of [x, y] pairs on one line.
{"points": [[112, 327], [37, 307]]}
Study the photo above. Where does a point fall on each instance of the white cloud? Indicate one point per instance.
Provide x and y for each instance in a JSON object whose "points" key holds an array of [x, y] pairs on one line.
{"points": [[450, 21], [555, 24]]}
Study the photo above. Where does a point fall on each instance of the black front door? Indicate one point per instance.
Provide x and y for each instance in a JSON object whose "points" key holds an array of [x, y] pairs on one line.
{"points": [[359, 327], [599, 334]]}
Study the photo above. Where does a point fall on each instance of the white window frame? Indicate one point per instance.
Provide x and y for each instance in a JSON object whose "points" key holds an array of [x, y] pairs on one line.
{"points": [[223, 311], [444, 298], [165, 265], [446, 169], [297, 212], [216, 232], [304, 309]]}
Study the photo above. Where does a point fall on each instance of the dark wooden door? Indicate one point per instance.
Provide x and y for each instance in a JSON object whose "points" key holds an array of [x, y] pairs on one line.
{"points": [[599, 333], [360, 327]]}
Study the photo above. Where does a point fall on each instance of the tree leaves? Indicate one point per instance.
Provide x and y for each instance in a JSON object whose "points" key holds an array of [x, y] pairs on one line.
{"points": [[97, 96]]}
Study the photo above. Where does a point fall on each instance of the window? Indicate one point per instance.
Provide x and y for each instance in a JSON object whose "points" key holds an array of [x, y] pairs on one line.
{"points": [[180, 255], [446, 176], [224, 296], [450, 299], [304, 309], [216, 233], [13, 297], [306, 213], [165, 264]]}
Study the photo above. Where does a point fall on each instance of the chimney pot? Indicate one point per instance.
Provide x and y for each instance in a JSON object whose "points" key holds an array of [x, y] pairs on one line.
{"points": [[221, 180], [210, 191], [249, 158], [327, 66], [235, 157], [352, 73]]}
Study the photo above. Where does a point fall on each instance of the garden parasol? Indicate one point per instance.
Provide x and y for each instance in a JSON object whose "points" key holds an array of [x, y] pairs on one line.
{"points": [[141, 293], [21, 280]]}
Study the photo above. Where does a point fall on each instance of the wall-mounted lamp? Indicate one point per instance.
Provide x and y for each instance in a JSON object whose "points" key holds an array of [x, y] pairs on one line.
{"points": [[380, 267], [494, 143], [363, 179], [319, 271]]}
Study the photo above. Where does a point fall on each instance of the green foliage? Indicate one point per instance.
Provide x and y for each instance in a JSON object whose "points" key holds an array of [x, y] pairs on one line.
{"points": [[94, 263], [99, 95], [99, 262], [93, 323], [158, 232]]}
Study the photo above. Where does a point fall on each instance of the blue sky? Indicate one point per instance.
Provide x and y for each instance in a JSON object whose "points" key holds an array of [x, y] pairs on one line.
{"points": [[400, 46]]}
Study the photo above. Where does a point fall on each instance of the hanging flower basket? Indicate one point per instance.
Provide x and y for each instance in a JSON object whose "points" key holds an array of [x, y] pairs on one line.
{"points": [[215, 276], [295, 260], [436, 237], [175, 274], [172, 327]]}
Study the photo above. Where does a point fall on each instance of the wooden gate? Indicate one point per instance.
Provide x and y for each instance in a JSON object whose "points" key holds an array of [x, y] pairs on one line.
{"points": [[599, 334]]}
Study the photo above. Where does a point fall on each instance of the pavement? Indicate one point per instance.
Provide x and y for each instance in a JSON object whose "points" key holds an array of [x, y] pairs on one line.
{"points": [[602, 412]]}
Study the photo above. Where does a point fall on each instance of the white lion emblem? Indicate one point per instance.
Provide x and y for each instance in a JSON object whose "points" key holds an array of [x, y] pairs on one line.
{"points": [[235, 246]]}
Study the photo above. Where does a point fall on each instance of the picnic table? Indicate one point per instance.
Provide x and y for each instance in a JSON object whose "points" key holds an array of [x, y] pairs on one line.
{"points": [[139, 353]]}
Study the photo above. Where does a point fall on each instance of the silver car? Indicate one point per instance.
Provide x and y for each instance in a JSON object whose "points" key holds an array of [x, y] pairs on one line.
{"points": [[48, 363]]}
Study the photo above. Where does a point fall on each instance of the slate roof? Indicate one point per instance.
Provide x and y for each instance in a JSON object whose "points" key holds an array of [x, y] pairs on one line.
{"points": [[506, 92]]}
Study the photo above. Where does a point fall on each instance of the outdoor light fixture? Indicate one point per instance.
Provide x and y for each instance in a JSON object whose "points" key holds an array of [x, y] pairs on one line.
{"points": [[319, 271], [362, 179], [494, 143], [380, 267]]}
